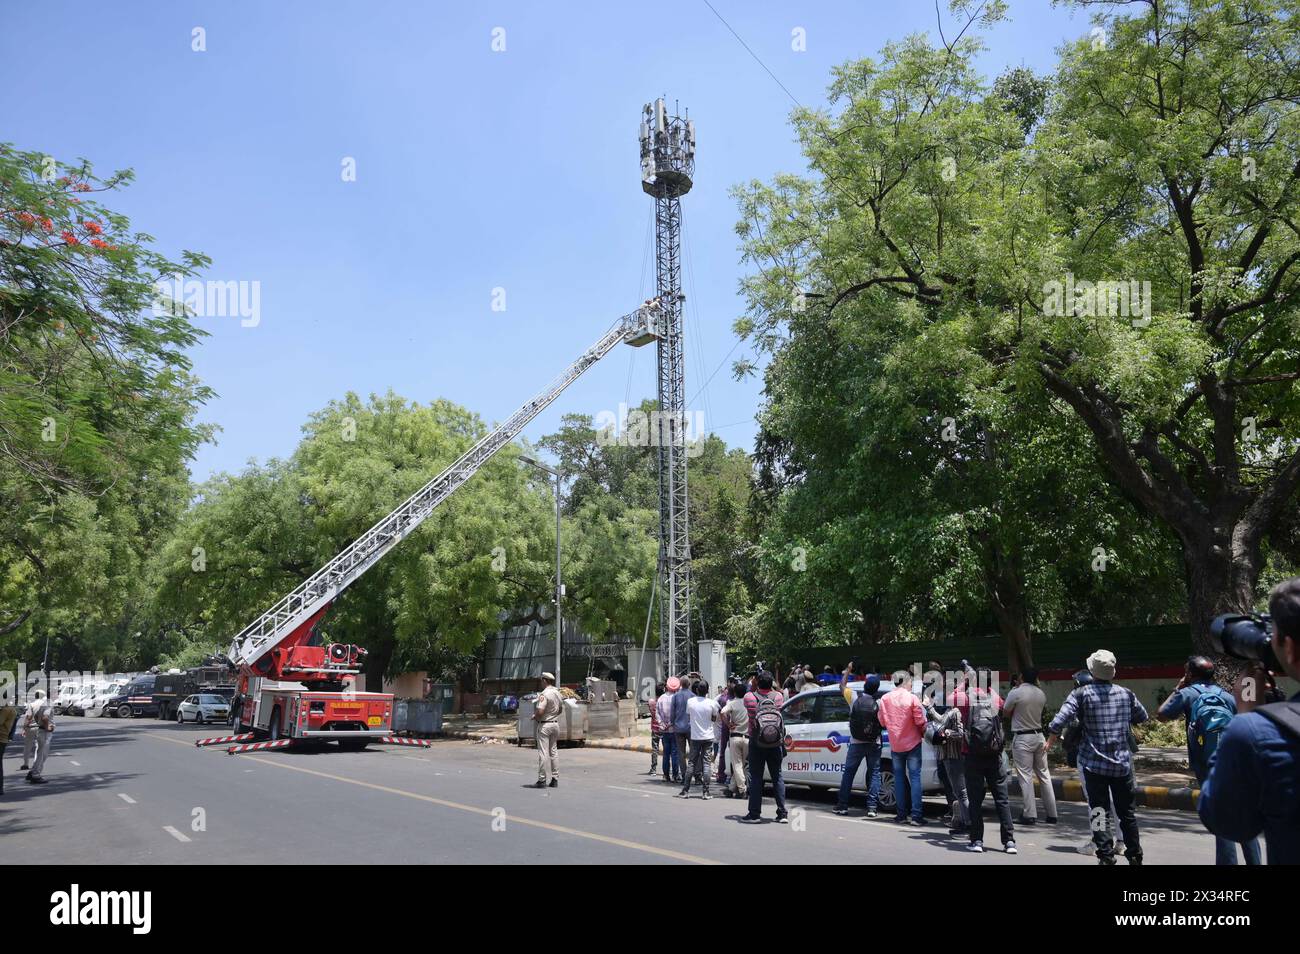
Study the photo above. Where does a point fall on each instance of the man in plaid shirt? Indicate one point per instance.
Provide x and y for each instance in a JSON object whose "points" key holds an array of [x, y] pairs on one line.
{"points": [[1105, 711]]}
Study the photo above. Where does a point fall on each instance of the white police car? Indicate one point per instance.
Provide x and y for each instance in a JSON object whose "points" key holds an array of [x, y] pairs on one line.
{"points": [[817, 740]]}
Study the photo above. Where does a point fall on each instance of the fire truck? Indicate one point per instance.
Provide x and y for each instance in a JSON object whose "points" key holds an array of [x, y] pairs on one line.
{"points": [[294, 685]]}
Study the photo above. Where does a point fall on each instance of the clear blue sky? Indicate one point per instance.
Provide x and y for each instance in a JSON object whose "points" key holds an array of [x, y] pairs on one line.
{"points": [[475, 170]]}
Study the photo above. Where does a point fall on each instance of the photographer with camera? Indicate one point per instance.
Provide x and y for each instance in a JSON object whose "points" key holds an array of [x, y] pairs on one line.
{"points": [[1254, 780], [1208, 709]]}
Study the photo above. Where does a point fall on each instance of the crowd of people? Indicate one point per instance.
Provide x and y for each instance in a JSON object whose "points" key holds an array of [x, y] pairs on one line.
{"points": [[1246, 765]]}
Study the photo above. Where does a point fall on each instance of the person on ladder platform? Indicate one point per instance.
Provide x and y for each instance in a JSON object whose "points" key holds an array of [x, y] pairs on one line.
{"points": [[546, 721]]}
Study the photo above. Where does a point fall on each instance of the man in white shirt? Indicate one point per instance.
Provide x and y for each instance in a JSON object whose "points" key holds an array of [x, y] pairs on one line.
{"points": [[38, 724], [1025, 705], [703, 713]]}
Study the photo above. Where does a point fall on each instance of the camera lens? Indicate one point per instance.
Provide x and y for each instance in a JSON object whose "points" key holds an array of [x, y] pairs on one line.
{"points": [[1245, 637]]}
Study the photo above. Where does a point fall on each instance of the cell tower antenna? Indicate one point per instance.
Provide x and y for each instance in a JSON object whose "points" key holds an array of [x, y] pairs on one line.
{"points": [[667, 170]]}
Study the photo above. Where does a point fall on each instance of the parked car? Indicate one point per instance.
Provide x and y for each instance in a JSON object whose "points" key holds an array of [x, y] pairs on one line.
{"points": [[98, 704], [171, 688], [68, 691], [77, 704], [203, 707], [135, 699], [817, 739]]}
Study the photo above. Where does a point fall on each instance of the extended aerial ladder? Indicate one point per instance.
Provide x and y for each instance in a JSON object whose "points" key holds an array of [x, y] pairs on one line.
{"points": [[291, 684]]}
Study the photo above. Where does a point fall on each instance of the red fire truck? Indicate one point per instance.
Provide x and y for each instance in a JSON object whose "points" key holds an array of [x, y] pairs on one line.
{"points": [[294, 686]]}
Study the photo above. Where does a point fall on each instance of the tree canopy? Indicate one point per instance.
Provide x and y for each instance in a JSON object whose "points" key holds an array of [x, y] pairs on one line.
{"points": [[97, 409], [1086, 278]]}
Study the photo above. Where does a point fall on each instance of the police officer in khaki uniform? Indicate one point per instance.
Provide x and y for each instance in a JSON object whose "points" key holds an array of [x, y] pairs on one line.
{"points": [[546, 721]]}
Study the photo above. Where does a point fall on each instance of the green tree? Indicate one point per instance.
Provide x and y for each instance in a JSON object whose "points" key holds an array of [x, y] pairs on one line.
{"points": [[955, 214], [465, 572], [613, 513], [96, 411]]}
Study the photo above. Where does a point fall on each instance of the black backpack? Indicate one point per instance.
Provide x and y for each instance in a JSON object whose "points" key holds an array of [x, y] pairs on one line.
{"points": [[984, 734], [864, 718]]}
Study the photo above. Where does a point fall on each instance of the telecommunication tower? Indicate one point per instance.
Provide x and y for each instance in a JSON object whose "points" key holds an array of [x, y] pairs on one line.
{"points": [[667, 166]]}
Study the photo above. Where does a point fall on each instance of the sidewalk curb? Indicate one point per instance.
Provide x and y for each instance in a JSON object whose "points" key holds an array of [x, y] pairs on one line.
{"points": [[1147, 796], [625, 745], [1066, 789]]}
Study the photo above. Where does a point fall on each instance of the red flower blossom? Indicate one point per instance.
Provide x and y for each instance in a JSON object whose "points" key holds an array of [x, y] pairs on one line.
{"points": [[69, 237], [81, 187], [94, 228], [99, 243], [47, 223]]}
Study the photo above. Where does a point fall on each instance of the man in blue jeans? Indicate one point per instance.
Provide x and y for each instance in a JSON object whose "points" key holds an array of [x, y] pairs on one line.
{"points": [[762, 700], [903, 717], [864, 732], [682, 722]]}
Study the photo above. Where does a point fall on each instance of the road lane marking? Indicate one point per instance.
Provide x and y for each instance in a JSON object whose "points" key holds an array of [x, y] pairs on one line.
{"points": [[635, 791], [532, 823], [175, 834], [474, 810], [126, 798], [71, 762]]}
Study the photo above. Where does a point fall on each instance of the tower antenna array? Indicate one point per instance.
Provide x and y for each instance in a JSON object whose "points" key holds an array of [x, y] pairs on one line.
{"points": [[667, 168]]}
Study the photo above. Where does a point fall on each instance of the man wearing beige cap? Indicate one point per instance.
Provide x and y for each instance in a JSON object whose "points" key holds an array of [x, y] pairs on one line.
{"points": [[1105, 711], [546, 723]]}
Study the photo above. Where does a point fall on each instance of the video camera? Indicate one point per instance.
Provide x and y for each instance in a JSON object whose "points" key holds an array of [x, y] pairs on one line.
{"points": [[1245, 637]]}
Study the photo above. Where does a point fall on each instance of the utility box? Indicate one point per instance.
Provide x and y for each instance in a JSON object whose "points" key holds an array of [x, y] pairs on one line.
{"points": [[417, 716], [713, 663], [573, 723]]}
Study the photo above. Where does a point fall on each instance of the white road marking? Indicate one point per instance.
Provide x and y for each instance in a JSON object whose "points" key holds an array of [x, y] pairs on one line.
{"points": [[175, 834], [635, 791], [71, 762], [126, 798]]}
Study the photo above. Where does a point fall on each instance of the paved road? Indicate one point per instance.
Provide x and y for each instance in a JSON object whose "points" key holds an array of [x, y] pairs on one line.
{"points": [[130, 792]]}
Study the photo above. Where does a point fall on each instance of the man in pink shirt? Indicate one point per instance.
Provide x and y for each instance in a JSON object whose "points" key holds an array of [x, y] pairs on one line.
{"points": [[981, 713], [903, 717]]}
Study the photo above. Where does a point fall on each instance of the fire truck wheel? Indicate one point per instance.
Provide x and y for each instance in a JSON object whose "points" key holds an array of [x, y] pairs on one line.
{"points": [[273, 727]]}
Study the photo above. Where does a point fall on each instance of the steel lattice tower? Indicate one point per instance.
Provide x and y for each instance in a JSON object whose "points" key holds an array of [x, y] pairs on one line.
{"points": [[667, 166]]}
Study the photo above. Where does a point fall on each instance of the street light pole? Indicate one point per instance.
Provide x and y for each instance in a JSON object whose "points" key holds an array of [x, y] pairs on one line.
{"points": [[559, 583]]}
